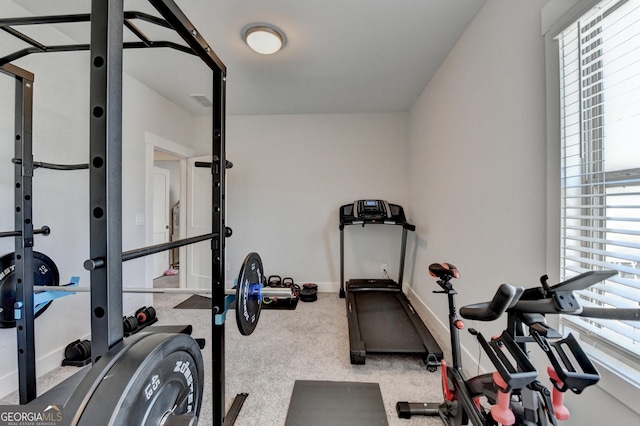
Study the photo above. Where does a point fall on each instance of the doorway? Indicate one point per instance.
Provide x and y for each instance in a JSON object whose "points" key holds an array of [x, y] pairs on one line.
{"points": [[172, 157]]}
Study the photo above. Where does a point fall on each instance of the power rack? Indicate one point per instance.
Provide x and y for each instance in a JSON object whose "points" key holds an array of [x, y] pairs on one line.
{"points": [[107, 20]]}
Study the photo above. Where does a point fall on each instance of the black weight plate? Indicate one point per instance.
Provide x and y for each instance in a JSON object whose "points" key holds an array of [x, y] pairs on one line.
{"points": [[248, 304], [160, 375], [45, 272]]}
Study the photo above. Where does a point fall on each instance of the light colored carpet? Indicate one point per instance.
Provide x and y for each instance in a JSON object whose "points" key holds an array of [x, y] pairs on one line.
{"points": [[308, 343]]}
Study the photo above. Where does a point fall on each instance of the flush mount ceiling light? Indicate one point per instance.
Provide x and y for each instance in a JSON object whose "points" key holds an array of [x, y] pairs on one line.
{"points": [[264, 39]]}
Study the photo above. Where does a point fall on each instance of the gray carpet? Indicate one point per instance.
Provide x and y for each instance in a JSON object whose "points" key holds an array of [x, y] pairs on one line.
{"points": [[308, 343]]}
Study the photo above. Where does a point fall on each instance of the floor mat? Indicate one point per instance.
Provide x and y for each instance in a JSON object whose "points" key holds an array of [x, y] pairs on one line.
{"points": [[195, 302], [201, 302], [316, 403]]}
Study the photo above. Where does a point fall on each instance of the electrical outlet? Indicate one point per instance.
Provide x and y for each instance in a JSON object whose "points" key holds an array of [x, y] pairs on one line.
{"points": [[383, 267]]}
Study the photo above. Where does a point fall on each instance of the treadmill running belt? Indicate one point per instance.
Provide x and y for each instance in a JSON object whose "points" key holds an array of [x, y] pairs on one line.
{"points": [[385, 326], [322, 403]]}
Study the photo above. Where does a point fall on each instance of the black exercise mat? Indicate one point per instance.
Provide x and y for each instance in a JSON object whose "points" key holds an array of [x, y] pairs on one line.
{"points": [[316, 403], [200, 302], [195, 302]]}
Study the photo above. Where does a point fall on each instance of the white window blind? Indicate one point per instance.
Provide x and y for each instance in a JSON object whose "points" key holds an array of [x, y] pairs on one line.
{"points": [[600, 176]]}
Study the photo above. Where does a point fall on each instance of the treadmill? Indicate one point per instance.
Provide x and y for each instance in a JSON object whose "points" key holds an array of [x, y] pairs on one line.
{"points": [[381, 318]]}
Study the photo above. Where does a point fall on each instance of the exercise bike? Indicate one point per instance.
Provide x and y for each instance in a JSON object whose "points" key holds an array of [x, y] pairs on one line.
{"points": [[513, 395]]}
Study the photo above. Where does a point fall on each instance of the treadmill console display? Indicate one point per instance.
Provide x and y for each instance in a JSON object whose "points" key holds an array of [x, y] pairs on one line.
{"points": [[371, 209]]}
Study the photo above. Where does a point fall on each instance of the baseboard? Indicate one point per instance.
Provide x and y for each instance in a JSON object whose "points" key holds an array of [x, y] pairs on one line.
{"points": [[438, 328], [325, 287], [440, 331]]}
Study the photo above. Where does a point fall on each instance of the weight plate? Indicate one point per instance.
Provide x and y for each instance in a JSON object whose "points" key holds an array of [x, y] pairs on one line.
{"points": [[248, 304], [45, 272], [158, 380]]}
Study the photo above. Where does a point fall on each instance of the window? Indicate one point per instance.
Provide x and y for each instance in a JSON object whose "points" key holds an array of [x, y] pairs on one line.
{"points": [[600, 166]]}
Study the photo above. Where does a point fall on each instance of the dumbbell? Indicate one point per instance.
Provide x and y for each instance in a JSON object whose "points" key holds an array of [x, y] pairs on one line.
{"points": [[309, 292], [129, 324], [145, 315], [78, 350]]}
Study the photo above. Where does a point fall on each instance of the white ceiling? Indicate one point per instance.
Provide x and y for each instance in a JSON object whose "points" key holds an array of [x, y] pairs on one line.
{"points": [[340, 56]]}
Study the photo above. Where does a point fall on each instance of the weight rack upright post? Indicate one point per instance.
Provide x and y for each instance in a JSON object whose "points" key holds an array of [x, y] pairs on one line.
{"points": [[105, 174], [218, 169], [23, 140], [106, 177]]}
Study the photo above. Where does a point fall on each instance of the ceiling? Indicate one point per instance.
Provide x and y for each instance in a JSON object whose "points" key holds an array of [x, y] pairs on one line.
{"points": [[340, 56]]}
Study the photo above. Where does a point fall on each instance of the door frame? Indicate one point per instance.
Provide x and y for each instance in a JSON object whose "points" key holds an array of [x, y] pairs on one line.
{"points": [[166, 216], [152, 143]]}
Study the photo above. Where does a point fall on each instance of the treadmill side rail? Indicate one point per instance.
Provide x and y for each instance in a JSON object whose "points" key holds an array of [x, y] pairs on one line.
{"points": [[357, 351]]}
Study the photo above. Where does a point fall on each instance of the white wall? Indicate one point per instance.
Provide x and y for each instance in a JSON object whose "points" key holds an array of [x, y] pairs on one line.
{"points": [[478, 176], [61, 198], [477, 144], [291, 174]]}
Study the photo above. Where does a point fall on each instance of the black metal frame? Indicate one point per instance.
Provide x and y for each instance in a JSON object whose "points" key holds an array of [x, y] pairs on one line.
{"points": [[107, 20], [23, 217]]}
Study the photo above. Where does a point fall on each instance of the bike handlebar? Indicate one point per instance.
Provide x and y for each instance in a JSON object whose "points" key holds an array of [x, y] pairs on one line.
{"points": [[506, 296], [556, 299]]}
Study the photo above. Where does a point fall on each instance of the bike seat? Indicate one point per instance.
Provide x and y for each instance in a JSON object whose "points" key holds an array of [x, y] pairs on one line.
{"points": [[506, 296], [444, 271]]}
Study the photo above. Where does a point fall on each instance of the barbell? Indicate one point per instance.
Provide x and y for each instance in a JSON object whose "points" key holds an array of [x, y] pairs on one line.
{"points": [[249, 291], [258, 289]]}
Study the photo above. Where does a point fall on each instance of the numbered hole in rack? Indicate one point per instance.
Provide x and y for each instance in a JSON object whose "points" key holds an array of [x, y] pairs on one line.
{"points": [[98, 212], [98, 312], [97, 162], [98, 61]]}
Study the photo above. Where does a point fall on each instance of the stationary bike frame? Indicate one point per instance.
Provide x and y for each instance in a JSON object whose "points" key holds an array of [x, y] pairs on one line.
{"points": [[535, 405], [454, 373], [460, 404]]}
